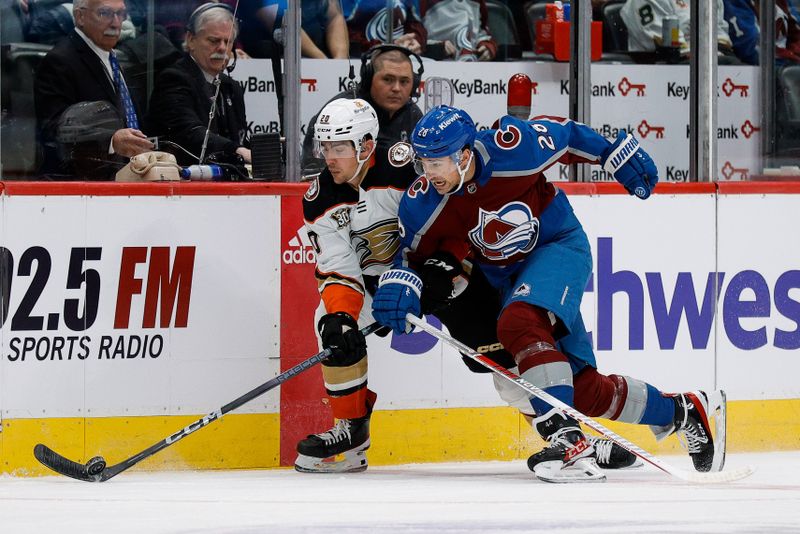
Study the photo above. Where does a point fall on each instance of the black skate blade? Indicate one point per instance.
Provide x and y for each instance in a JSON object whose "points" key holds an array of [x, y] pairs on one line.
{"points": [[63, 466]]}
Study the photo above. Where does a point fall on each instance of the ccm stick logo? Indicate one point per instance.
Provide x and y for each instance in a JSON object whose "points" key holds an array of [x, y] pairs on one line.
{"points": [[300, 249], [197, 425]]}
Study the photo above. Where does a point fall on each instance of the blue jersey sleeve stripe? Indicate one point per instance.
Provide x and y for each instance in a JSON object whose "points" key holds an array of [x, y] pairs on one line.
{"points": [[428, 223], [527, 172], [584, 155]]}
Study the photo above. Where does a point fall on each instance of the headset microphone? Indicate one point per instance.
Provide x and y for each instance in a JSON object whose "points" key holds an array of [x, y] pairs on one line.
{"points": [[351, 85]]}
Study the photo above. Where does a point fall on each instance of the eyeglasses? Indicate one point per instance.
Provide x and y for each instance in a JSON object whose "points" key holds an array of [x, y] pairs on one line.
{"points": [[107, 14]]}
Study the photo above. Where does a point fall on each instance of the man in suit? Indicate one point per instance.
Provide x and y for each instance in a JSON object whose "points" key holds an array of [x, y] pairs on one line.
{"points": [[83, 68], [183, 94]]}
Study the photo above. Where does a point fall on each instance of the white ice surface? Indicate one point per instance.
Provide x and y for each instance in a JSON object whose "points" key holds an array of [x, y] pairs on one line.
{"points": [[423, 498]]}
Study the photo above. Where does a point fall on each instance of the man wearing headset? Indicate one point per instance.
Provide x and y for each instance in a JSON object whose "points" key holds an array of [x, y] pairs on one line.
{"points": [[184, 93], [387, 82]]}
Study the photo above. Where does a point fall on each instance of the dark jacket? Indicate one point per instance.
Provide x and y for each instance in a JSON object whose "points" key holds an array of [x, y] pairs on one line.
{"points": [[179, 108], [392, 129], [69, 74]]}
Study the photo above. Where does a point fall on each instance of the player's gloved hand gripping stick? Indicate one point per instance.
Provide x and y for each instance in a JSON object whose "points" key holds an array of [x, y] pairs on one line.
{"points": [[96, 470], [398, 294]]}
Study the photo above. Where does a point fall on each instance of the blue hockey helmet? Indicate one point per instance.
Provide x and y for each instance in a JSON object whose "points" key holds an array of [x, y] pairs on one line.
{"points": [[442, 131]]}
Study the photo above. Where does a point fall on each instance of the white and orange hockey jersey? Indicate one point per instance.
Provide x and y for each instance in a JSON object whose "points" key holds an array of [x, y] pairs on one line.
{"points": [[355, 233]]}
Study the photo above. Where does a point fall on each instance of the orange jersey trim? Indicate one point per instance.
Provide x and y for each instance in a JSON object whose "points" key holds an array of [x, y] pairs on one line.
{"points": [[341, 298]]}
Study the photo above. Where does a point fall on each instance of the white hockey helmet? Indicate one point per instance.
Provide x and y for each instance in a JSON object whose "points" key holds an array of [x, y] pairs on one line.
{"points": [[344, 119]]}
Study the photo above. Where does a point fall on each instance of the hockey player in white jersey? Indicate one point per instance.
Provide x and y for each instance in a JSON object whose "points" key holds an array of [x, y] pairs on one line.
{"points": [[350, 212], [644, 20]]}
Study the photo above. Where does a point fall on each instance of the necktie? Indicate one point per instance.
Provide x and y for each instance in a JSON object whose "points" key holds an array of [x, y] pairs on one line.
{"points": [[124, 96]]}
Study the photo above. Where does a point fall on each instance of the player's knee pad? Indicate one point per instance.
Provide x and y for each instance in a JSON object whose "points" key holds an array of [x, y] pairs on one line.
{"points": [[527, 333], [615, 397], [514, 395], [522, 325]]}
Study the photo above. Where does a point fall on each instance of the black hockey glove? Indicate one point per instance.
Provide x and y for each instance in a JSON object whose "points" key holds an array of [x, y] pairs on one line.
{"points": [[339, 332], [438, 274]]}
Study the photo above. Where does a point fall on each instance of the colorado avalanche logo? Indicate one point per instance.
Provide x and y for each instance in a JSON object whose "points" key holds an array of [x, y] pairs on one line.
{"points": [[508, 138], [376, 27], [510, 230], [419, 187]]}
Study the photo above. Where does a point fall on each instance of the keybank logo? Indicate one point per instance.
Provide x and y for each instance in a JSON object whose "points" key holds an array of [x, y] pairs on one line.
{"points": [[753, 308], [300, 249]]}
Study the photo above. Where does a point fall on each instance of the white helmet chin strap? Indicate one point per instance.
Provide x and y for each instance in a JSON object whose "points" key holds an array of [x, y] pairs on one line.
{"points": [[462, 173], [361, 163]]}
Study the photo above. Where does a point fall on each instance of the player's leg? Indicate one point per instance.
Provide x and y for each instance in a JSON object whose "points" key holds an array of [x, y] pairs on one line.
{"points": [[351, 402], [539, 307], [630, 400]]}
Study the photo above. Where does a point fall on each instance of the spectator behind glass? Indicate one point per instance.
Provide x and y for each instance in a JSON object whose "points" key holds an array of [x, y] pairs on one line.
{"points": [[389, 93], [644, 20], [79, 69], [181, 101], [787, 34], [172, 16], [368, 25], [458, 29], [323, 34]]}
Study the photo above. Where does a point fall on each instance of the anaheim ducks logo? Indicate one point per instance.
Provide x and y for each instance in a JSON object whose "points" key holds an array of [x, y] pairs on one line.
{"points": [[377, 244], [510, 230], [400, 154], [313, 190]]}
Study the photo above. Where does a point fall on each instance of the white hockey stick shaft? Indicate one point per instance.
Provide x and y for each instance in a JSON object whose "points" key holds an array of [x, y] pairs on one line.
{"points": [[695, 477]]}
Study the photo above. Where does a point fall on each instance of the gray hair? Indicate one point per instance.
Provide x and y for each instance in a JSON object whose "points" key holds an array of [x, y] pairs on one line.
{"points": [[78, 4], [223, 14]]}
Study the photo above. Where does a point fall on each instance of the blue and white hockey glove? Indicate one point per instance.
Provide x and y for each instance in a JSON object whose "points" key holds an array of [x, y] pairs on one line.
{"points": [[397, 295], [630, 165]]}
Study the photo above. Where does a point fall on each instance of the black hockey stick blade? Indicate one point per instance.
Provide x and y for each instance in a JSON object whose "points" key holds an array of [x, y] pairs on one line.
{"points": [[91, 471], [95, 470]]}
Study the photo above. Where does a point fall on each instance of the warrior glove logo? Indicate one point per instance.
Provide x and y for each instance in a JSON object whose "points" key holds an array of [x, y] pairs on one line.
{"points": [[510, 230]]}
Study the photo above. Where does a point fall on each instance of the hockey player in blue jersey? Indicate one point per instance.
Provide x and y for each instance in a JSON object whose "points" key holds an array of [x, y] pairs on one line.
{"points": [[483, 195]]}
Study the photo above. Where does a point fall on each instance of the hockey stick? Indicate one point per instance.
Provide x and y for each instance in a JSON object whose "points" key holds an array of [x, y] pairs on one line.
{"points": [[687, 476], [95, 470]]}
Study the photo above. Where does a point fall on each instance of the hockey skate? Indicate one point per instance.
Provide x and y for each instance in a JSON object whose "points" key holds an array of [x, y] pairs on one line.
{"points": [[694, 413], [569, 457], [342, 449], [612, 456]]}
